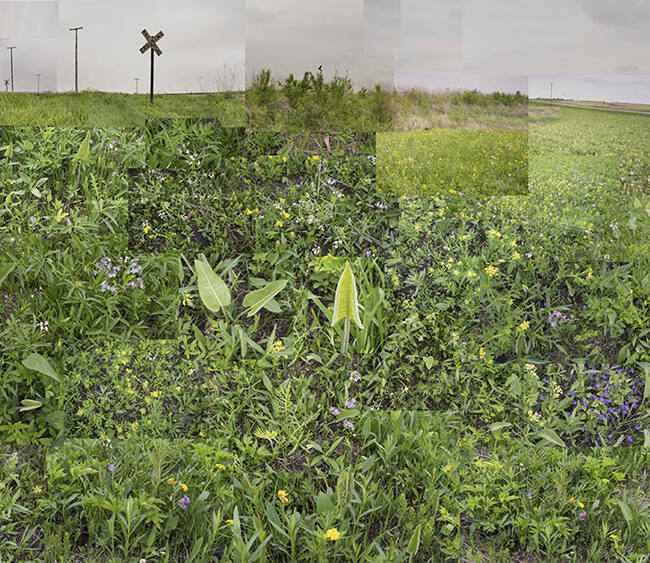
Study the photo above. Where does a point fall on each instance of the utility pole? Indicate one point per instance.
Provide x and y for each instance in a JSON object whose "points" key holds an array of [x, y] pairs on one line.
{"points": [[136, 84], [38, 83], [551, 92], [152, 45], [11, 51], [76, 59]]}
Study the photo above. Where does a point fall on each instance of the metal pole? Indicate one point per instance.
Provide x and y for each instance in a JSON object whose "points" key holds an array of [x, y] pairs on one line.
{"points": [[38, 83], [7, 85], [136, 84], [551, 92], [151, 88], [76, 57], [11, 51]]}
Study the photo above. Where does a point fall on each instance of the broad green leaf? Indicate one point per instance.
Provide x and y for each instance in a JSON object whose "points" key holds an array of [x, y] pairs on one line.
{"points": [[212, 289], [84, 150], [414, 542], [273, 306], [257, 299], [429, 361], [40, 364], [10, 150], [499, 426], [346, 305], [323, 504], [552, 437], [29, 405], [625, 510], [5, 271], [646, 438]]}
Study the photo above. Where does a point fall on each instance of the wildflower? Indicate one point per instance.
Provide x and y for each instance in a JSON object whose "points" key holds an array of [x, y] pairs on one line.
{"points": [[37, 490], [348, 424], [446, 468], [283, 496], [332, 534], [146, 229], [523, 326], [350, 403], [220, 466], [582, 515], [335, 411], [171, 481], [279, 223], [580, 505], [184, 502], [355, 376], [230, 521], [183, 486], [491, 271], [287, 215], [111, 467]]}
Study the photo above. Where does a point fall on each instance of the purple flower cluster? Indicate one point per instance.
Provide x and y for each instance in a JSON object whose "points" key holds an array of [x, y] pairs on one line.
{"points": [[372, 158], [608, 395], [105, 267], [556, 318], [184, 502], [112, 146]]}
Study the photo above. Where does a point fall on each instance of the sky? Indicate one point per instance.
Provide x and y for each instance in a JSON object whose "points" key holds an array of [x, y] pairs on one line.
{"points": [[627, 89], [202, 49], [591, 48], [291, 37]]}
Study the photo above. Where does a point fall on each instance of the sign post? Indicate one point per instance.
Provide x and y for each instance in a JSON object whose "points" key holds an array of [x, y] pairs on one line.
{"points": [[11, 51], [151, 44], [76, 58]]}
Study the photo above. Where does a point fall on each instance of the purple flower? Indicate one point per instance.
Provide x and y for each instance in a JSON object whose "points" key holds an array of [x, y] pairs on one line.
{"points": [[335, 411], [355, 376], [348, 424], [184, 502], [111, 467], [33, 219], [582, 515], [350, 403]]}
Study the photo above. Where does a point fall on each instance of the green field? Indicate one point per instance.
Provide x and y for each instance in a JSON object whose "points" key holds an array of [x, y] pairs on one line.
{"points": [[106, 109], [173, 387], [460, 162]]}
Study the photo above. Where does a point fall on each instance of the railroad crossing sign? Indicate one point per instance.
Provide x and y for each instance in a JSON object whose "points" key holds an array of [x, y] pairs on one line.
{"points": [[151, 44]]}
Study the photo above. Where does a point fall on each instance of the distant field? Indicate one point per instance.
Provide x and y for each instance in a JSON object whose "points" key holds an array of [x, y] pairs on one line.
{"points": [[107, 109], [601, 105], [453, 161]]}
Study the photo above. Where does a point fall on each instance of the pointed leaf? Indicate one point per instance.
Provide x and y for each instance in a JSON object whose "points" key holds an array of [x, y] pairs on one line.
{"points": [[345, 299], [84, 149], [212, 289], [257, 299], [40, 364], [273, 306], [414, 543], [29, 405], [552, 437]]}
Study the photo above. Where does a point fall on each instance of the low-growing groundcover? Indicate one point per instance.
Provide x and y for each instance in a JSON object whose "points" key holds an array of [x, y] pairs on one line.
{"points": [[503, 355]]}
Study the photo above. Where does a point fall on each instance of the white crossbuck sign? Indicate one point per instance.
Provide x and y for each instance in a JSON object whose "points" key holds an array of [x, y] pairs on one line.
{"points": [[151, 42]]}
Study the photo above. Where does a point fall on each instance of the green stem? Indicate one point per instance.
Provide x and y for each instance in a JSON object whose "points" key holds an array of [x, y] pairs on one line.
{"points": [[346, 335]]}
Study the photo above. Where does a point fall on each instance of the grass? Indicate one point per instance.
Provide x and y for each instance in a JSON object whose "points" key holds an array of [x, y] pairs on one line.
{"points": [[492, 407], [104, 109], [313, 104], [453, 161]]}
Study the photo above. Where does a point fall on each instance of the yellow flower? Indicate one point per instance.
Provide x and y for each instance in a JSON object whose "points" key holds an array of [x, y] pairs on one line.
{"points": [[332, 534], [315, 157], [230, 521], [447, 468], [516, 255], [481, 353], [249, 211], [183, 486], [36, 490], [523, 326], [171, 481], [279, 223], [491, 271], [220, 466], [581, 505], [287, 215], [283, 496], [154, 393], [146, 228]]}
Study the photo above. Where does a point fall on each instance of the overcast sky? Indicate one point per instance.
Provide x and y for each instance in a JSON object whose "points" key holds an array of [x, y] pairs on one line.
{"points": [[598, 88], [436, 44], [202, 50], [291, 36], [570, 37]]}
